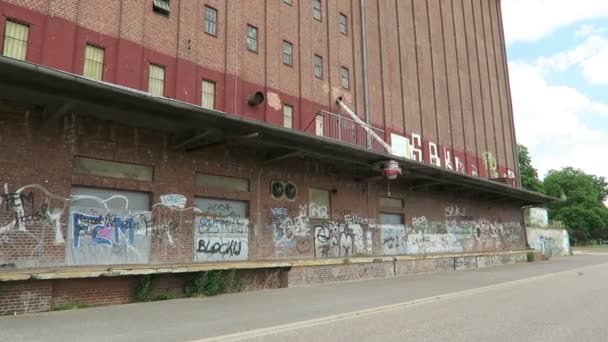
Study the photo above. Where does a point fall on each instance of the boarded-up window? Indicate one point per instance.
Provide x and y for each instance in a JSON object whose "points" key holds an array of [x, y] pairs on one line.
{"points": [[93, 62], [108, 227], [221, 230], [104, 168], [16, 37], [390, 202], [287, 116], [221, 182], [389, 218], [320, 203], [156, 84], [208, 95]]}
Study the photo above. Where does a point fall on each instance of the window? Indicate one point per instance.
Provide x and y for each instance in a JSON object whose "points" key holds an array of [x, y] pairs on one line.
{"points": [[343, 24], [156, 85], [287, 53], [105, 168], [289, 2], [208, 98], [318, 65], [390, 202], [320, 203], [93, 62], [345, 78], [252, 38], [162, 7], [221, 182], [16, 40], [316, 10], [390, 218], [210, 20], [287, 116]]}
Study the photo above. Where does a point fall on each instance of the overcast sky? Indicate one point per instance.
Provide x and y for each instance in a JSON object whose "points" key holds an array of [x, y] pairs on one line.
{"points": [[558, 65]]}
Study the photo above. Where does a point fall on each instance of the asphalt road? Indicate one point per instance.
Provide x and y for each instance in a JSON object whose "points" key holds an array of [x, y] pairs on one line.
{"points": [[559, 300]]}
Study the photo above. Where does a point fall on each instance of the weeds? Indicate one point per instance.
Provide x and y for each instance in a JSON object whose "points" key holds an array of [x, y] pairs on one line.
{"points": [[70, 306], [144, 291]]}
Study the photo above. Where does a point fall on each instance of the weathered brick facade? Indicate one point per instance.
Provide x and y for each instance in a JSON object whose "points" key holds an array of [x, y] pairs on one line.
{"points": [[85, 195]]}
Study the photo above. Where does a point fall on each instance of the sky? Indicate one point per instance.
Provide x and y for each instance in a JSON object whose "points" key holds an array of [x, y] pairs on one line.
{"points": [[558, 68]]}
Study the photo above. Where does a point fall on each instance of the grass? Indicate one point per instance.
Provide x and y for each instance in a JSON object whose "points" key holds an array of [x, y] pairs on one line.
{"points": [[70, 306]]}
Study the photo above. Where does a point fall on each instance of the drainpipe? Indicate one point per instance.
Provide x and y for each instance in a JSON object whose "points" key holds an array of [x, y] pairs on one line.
{"points": [[364, 53]]}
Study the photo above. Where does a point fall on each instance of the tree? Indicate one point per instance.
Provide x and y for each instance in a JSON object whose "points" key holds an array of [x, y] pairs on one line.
{"points": [[583, 210], [529, 175]]}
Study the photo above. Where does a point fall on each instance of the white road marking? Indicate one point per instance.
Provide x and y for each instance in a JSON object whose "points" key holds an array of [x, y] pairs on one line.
{"points": [[391, 307]]}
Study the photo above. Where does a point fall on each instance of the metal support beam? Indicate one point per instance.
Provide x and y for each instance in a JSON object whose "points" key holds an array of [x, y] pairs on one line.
{"points": [[192, 139], [282, 156], [57, 111], [229, 141]]}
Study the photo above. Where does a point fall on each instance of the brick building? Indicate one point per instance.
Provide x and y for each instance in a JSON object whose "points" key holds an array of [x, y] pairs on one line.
{"points": [[178, 136]]}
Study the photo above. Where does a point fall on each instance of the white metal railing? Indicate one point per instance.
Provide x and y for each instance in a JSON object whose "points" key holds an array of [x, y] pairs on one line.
{"points": [[346, 130]]}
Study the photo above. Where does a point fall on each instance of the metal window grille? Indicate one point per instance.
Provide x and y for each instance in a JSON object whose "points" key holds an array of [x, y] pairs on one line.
{"points": [[156, 84], [208, 96], [287, 116], [16, 40], [93, 62]]}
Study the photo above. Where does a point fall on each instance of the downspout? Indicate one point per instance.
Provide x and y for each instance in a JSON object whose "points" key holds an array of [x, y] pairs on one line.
{"points": [[364, 53]]}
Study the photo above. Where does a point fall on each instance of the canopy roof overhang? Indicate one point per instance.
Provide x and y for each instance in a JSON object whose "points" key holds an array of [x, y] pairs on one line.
{"points": [[58, 93]]}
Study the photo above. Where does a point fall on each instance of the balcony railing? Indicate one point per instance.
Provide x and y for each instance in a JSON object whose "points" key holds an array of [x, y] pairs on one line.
{"points": [[343, 129]]}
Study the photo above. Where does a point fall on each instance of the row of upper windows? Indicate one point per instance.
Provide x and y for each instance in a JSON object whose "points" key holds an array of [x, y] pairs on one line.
{"points": [[16, 39], [163, 7]]}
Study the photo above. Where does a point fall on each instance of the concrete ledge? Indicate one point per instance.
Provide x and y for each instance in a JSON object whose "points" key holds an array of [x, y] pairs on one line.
{"points": [[71, 272]]}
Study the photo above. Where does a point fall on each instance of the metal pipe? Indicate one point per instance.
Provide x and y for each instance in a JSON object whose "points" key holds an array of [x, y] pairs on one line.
{"points": [[364, 53], [365, 126]]}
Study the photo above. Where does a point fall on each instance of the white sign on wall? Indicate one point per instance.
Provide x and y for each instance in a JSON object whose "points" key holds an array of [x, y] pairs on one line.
{"points": [[400, 146]]}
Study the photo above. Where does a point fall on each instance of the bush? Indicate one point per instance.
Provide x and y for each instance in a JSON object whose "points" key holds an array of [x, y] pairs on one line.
{"points": [[531, 256], [144, 291], [211, 283]]}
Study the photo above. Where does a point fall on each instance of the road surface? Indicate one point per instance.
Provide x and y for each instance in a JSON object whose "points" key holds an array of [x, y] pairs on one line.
{"points": [[563, 299]]}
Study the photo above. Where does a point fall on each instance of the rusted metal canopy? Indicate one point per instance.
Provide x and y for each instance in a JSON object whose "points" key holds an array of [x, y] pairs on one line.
{"points": [[60, 92]]}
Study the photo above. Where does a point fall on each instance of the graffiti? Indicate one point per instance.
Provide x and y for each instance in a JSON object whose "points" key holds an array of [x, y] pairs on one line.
{"points": [[454, 211], [356, 219], [491, 164], [550, 242], [291, 231], [419, 223], [221, 238], [394, 239], [333, 240], [104, 236], [220, 247], [421, 243], [174, 200], [474, 171], [26, 211], [318, 211]]}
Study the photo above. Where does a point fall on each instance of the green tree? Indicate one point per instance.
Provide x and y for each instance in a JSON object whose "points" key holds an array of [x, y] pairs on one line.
{"points": [[583, 210], [529, 175]]}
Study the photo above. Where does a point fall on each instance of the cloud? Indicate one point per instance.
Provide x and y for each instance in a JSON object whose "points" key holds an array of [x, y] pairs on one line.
{"points": [[531, 20], [548, 120], [590, 56]]}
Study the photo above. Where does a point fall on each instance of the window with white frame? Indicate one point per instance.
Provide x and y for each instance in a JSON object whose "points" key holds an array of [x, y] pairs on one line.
{"points": [[287, 53], [345, 78], [210, 20], [252, 38]]}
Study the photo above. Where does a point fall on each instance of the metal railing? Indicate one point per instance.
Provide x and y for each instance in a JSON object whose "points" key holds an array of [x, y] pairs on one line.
{"points": [[343, 129]]}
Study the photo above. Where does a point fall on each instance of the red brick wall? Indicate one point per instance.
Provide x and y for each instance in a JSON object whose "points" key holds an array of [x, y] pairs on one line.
{"points": [[435, 68]]}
